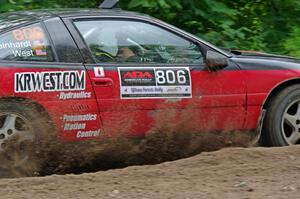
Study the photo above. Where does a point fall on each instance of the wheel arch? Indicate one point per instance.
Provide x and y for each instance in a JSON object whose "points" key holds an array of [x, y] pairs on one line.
{"points": [[29, 102], [277, 89], [274, 91]]}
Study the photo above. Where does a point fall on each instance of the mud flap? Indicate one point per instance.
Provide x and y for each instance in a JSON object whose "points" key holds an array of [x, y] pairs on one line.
{"points": [[257, 141]]}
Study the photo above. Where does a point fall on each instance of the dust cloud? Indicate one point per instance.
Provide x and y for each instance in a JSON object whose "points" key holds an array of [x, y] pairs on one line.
{"points": [[166, 141]]}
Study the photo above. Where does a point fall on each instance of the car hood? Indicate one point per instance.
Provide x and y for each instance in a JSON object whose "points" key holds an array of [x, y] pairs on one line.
{"points": [[253, 60]]}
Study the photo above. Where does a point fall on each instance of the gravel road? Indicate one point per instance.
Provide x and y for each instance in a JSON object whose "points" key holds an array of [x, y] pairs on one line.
{"points": [[228, 173]]}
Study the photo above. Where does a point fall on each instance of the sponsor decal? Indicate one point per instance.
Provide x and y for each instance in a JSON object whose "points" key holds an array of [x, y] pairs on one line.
{"points": [[155, 82], [88, 134], [19, 49], [74, 95], [78, 123], [38, 43], [75, 126], [40, 52], [33, 33], [79, 118], [29, 42], [39, 47], [23, 53], [49, 81], [15, 45], [99, 72]]}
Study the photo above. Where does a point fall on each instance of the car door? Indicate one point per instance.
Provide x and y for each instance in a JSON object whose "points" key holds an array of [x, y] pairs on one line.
{"points": [[149, 78], [75, 108]]}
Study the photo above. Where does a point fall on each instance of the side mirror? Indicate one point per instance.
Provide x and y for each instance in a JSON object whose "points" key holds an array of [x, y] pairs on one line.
{"points": [[215, 61]]}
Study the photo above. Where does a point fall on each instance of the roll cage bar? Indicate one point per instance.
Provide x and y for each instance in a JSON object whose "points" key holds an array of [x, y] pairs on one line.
{"points": [[109, 4]]}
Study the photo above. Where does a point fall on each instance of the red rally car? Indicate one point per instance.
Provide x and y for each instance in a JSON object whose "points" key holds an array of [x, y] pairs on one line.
{"points": [[98, 73]]}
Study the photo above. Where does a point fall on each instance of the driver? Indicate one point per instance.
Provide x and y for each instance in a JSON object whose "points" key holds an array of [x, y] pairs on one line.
{"points": [[127, 51], [128, 54]]}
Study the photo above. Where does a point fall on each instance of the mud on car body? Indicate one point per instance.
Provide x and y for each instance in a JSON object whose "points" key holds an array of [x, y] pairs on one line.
{"points": [[92, 74]]}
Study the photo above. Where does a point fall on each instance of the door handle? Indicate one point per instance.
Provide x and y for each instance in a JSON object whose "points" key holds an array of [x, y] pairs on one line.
{"points": [[102, 82]]}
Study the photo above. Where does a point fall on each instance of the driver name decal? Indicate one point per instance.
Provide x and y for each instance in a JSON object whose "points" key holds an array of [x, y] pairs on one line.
{"points": [[49, 81], [155, 82]]}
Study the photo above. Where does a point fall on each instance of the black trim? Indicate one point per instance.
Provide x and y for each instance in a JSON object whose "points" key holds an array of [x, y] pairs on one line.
{"points": [[55, 57], [63, 43], [42, 65], [265, 64], [113, 67], [196, 67], [87, 57]]}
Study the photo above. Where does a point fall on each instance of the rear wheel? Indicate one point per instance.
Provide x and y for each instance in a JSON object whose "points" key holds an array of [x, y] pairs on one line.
{"points": [[21, 127], [282, 121]]}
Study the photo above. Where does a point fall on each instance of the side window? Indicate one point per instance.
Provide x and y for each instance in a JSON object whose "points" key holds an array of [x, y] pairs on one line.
{"points": [[138, 42], [25, 44]]}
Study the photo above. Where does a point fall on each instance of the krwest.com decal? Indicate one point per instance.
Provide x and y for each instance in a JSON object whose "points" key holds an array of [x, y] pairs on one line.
{"points": [[49, 81], [156, 82]]}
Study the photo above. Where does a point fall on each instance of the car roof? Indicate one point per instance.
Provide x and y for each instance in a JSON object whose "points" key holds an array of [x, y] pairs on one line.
{"points": [[11, 19], [87, 12]]}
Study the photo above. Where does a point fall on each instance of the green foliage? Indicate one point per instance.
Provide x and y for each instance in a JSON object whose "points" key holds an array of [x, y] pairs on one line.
{"points": [[270, 26], [292, 43]]}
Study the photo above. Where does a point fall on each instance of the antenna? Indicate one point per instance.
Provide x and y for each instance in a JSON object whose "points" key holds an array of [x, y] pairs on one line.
{"points": [[109, 4]]}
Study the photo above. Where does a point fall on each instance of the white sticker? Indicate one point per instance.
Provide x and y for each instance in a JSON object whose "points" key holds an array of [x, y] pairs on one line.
{"points": [[74, 126], [99, 72], [74, 95], [155, 82], [79, 118], [88, 134], [49, 81]]}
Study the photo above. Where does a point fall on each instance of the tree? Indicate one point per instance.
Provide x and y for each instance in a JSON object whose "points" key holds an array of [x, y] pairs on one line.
{"points": [[270, 26]]}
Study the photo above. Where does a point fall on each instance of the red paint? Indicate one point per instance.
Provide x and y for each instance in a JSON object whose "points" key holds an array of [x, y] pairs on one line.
{"points": [[137, 74], [221, 100]]}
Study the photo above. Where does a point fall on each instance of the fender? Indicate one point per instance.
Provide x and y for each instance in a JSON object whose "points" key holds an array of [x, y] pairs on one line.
{"points": [[279, 87], [39, 107], [274, 91]]}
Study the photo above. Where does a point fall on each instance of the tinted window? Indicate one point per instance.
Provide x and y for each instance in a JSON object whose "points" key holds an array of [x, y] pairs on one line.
{"points": [[25, 44], [129, 41]]}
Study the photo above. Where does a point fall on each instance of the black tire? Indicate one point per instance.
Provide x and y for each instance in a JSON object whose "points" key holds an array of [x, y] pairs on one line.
{"points": [[276, 130], [21, 147]]}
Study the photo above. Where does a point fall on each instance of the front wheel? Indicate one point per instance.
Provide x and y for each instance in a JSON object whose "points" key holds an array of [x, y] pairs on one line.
{"points": [[282, 122]]}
